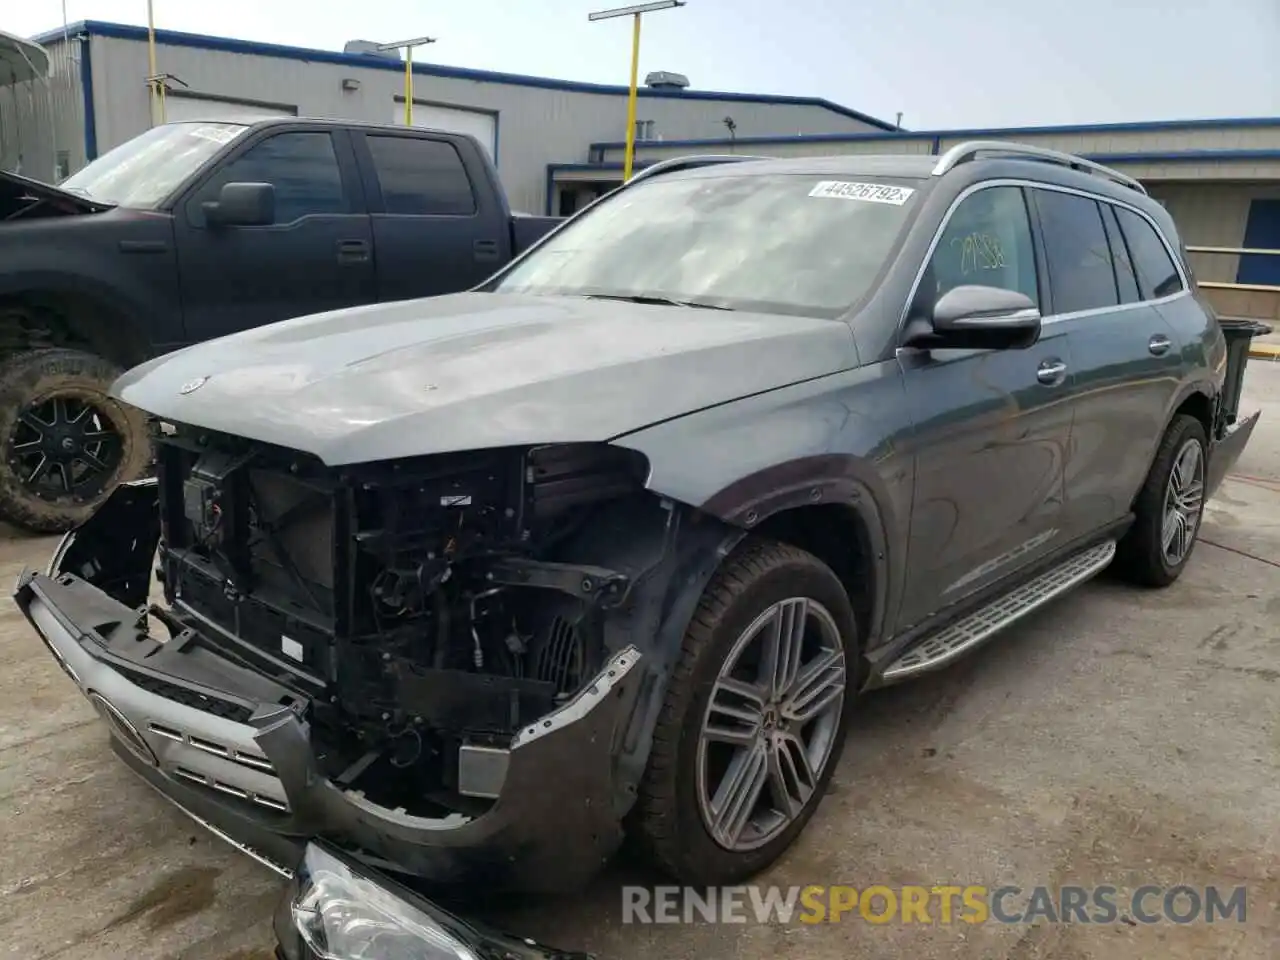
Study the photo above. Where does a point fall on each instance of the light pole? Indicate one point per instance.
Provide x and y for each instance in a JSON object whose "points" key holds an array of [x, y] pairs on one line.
{"points": [[407, 46], [154, 83], [635, 12]]}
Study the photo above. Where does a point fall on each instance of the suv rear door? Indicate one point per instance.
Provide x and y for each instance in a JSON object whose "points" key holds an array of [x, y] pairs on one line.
{"points": [[991, 426], [435, 229], [1127, 357]]}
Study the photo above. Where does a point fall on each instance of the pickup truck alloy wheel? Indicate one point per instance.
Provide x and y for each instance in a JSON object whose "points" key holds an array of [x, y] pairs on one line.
{"points": [[770, 723], [63, 446], [65, 443], [1183, 500], [752, 722]]}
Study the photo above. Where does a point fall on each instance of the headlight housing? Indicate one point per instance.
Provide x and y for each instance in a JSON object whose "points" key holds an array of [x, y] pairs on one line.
{"points": [[338, 910], [343, 915]]}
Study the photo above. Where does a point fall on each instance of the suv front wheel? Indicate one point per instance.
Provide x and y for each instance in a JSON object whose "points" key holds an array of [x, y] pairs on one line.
{"points": [[754, 717]]}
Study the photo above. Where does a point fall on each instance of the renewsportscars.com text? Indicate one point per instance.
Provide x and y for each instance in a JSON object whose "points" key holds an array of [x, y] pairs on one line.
{"points": [[942, 904]]}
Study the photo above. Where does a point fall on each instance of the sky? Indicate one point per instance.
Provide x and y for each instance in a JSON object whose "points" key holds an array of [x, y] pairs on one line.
{"points": [[941, 63]]}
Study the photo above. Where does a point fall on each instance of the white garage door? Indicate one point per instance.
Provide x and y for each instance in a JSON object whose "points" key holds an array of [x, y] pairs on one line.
{"points": [[197, 108], [482, 126]]}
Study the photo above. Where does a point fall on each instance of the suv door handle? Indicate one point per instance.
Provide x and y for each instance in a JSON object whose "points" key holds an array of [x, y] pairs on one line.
{"points": [[1051, 372], [1159, 344], [485, 249], [353, 251]]}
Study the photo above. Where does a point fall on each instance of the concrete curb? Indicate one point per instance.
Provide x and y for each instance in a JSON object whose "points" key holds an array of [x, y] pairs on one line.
{"points": [[1265, 351]]}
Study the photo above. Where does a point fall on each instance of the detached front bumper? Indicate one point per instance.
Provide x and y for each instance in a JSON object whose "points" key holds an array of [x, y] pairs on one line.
{"points": [[214, 738]]}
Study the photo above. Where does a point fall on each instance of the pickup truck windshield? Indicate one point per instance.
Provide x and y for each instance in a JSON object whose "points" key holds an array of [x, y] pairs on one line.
{"points": [[143, 171], [773, 243]]}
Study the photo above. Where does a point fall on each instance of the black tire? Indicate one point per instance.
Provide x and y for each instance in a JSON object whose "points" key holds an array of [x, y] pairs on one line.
{"points": [[1140, 555], [666, 823], [71, 381]]}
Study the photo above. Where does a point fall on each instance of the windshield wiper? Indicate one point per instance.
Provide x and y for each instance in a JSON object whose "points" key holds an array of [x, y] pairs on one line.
{"points": [[657, 301]]}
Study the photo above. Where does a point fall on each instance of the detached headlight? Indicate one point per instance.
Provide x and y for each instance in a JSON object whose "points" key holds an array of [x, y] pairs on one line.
{"points": [[342, 915]]}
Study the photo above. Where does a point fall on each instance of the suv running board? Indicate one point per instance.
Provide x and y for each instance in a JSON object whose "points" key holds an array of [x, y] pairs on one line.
{"points": [[958, 638]]}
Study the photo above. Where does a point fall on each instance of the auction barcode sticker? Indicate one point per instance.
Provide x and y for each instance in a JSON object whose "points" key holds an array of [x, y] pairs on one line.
{"points": [[869, 192]]}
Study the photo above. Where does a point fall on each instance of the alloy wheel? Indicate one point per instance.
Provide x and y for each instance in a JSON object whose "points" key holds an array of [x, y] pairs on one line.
{"points": [[1183, 503], [770, 724], [64, 447]]}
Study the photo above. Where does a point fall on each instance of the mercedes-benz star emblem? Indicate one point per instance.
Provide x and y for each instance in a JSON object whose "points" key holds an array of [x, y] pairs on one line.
{"points": [[191, 386]]}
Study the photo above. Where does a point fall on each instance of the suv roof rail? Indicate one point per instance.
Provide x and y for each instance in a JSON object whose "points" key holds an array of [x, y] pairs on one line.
{"points": [[690, 162], [972, 149]]}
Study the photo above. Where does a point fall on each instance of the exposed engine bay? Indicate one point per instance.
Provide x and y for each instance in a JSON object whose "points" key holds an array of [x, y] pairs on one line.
{"points": [[422, 611]]}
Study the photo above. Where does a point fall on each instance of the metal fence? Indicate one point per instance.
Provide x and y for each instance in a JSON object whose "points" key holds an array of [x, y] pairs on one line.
{"points": [[1257, 301]]}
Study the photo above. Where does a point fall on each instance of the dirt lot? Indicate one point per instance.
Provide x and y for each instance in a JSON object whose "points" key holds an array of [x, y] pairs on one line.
{"points": [[1117, 738]]}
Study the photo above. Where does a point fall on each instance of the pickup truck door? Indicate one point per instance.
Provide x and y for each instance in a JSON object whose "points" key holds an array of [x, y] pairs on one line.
{"points": [[991, 427], [439, 221], [317, 256]]}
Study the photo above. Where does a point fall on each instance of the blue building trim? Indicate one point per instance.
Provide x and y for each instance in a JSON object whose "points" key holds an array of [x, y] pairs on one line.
{"points": [[86, 91], [121, 31], [1183, 156], [1231, 123]]}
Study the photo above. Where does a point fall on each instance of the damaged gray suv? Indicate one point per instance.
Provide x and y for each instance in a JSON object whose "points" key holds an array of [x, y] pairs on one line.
{"points": [[471, 587]]}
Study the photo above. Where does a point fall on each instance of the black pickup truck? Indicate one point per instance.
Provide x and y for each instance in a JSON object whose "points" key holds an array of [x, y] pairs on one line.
{"points": [[195, 230]]}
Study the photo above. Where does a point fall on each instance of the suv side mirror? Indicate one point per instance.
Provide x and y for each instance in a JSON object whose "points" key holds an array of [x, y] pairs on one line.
{"points": [[979, 318], [242, 205]]}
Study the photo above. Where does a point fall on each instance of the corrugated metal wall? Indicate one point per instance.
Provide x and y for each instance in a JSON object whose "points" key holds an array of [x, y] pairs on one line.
{"points": [[536, 126], [39, 120]]}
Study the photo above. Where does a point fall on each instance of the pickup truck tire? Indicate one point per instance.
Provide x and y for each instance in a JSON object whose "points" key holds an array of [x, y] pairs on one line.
{"points": [[670, 822], [1175, 482], [64, 443]]}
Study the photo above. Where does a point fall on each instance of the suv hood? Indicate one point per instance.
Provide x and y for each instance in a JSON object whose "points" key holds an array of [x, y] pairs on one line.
{"points": [[474, 370], [21, 196]]}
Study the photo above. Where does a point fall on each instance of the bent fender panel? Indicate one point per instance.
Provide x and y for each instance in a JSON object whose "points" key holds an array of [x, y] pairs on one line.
{"points": [[835, 440], [670, 552]]}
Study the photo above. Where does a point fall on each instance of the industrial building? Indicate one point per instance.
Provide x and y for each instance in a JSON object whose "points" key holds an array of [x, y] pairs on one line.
{"points": [[98, 97], [559, 144]]}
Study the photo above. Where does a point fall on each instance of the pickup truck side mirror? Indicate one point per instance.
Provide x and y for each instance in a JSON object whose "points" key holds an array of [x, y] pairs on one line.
{"points": [[242, 205], [975, 317]]}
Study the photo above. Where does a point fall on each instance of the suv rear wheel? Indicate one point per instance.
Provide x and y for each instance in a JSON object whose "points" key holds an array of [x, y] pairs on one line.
{"points": [[754, 718], [64, 442], [1169, 508]]}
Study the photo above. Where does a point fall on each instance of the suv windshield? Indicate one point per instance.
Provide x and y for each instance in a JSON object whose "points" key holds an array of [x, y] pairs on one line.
{"points": [[143, 171], [772, 243]]}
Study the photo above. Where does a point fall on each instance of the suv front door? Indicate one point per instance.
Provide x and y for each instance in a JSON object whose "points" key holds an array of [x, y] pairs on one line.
{"points": [[991, 426], [317, 256], [1106, 291]]}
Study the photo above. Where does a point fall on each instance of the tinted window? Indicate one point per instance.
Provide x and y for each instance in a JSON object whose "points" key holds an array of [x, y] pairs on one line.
{"points": [[1075, 245], [1125, 276], [1157, 275], [986, 241], [424, 177], [303, 167]]}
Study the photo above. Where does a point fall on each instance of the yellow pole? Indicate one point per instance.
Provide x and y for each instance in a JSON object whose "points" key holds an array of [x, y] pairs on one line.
{"points": [[408, 86], [151, 59], [631, 100]]}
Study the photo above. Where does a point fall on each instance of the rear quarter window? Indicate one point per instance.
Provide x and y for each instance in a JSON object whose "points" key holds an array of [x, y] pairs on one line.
{"points": [[1157, 274]]}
